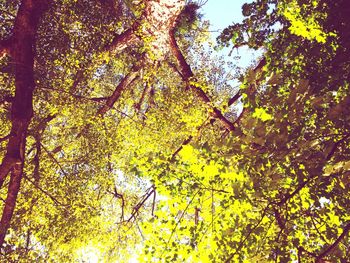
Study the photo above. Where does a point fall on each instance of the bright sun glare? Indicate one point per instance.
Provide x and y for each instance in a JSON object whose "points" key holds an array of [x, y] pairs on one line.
{"points": [[89, 255]]}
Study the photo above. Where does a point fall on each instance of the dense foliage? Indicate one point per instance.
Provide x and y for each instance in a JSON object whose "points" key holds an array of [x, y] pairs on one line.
{"points": [[122, 137]]}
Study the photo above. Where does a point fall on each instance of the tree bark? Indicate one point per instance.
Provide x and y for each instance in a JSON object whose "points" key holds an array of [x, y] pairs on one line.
{"points": [[158, 17], [125, 82], [22, 50]]}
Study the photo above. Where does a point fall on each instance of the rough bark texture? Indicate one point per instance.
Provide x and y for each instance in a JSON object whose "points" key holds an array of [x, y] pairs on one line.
{"points": [[158, 17], [156, 30], [22, 55], [151, 30]]}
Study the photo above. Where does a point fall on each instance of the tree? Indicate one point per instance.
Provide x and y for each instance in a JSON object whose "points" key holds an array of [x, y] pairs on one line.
{"points": [[299, 143], [135, 146], [20, 46]]}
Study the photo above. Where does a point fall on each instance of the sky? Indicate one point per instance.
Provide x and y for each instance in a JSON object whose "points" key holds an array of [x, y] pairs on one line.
{"points": [[222, 13]]}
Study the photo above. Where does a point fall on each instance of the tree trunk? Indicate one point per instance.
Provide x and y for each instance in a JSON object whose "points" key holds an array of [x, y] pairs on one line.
{"points": [[22, 51]]}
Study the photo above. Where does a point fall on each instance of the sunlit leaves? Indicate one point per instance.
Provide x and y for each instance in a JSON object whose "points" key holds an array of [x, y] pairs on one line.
{"points": [[274, 189], [307, 28], [261, 114]]}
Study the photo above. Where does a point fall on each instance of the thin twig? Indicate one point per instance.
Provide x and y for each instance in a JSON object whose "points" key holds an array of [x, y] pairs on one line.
{"points": [[178, 222], [54, 159], [43, 191]]}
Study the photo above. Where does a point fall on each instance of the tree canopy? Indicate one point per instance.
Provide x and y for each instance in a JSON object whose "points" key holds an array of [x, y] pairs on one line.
{"points": [[123, 139]]}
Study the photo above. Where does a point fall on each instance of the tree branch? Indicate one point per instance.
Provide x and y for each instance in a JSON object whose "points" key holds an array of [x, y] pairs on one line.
{"points": [[5, 138], [328, 250], [6, 99], [76, 96], [234, 98], [311, 177], [179, 221], [43, 191], [185, 142], [122, 41], [137, 207], [187, 74], [121, 197], [145, 91], [335, 147], [54, 159], [125, 82]]}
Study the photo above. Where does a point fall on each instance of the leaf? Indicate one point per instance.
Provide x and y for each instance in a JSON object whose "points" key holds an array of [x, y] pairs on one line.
{"points": [[261, 113]]}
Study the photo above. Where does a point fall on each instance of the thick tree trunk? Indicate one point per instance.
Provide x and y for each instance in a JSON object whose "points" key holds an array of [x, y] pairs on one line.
{"points": [[157, 24], [158, 17], [22, 53]]}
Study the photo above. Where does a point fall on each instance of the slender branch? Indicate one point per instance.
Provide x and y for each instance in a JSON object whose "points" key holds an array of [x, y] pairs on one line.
{"points": [[237, 46], [6, 99], [175, 69], [76, 96], [187, 75], [300, 252], [185, 142], [335, 146], [311, 177], [145, 91], [28, 240], [54, 159], [122, 41], [289, 196], [36, 159], [234, 98], [137, 207], [78, 78], [178, 222], [121, 197], [43, 191], [43, 123], [154, 202], [214, 190], [329, 249], [125, 83], [317, 230], [196, 215]]}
